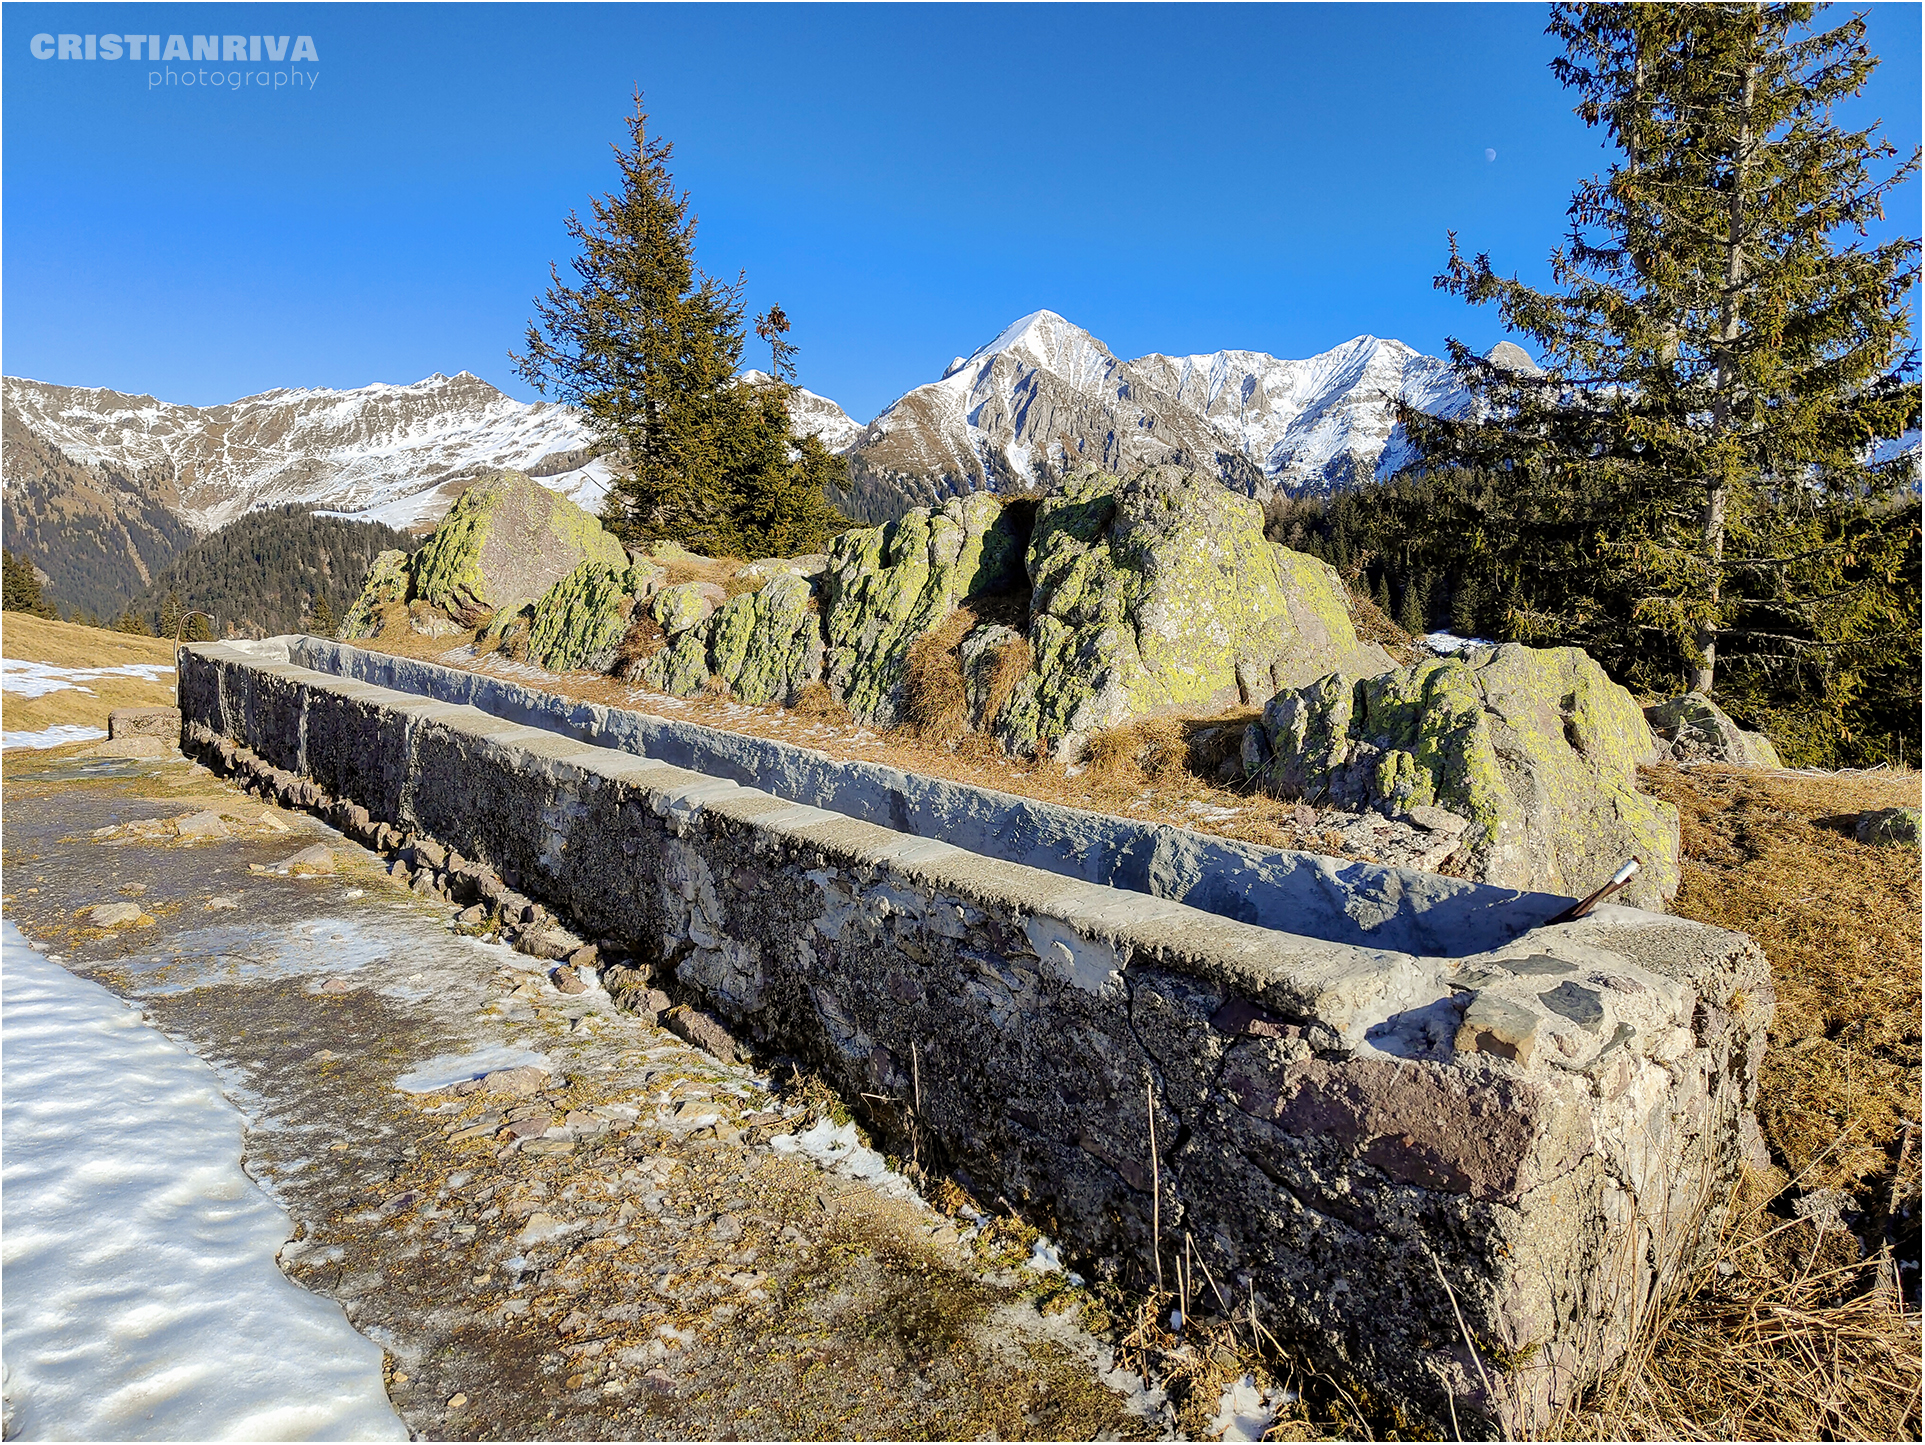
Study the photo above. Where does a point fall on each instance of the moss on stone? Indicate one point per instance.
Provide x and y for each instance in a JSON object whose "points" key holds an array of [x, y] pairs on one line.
{"points": [[1538, 748], [1158, 592], [387, 583], [887, 586], [580, 621], [506, 540]]}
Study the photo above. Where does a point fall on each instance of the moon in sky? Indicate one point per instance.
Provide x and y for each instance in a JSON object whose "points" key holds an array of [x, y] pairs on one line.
{"points": [[1490, 155]]}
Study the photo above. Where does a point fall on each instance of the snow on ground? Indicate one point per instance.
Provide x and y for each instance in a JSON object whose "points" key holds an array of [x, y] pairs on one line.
{"points": [[1245, 1411], [37, 679], [1449, 644], [445, 1069], [141, 1295], [56, 736]]}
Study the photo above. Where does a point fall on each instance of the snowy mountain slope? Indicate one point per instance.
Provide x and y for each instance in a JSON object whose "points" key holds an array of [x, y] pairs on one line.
{"points": [[812, 415], [1045, 394], [384, 451]]}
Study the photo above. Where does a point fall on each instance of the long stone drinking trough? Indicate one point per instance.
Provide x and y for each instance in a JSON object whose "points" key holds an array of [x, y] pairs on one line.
{"points": [[1442, 1147]]}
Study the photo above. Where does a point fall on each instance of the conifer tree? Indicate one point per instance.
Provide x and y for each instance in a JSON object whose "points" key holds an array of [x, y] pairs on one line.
{"points": [[1722, 354], [324, 622], [22, 590], [648, 347]]}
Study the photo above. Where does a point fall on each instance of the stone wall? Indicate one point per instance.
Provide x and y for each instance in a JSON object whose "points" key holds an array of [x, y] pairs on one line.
{"points": [[1340, 900], [1365, 1144]]}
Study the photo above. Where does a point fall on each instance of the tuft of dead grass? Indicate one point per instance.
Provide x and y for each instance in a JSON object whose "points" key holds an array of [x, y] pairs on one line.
{"points": [[815, 701], [642, 641], [935, 701], [1007, 668], [1776, 1337], [1151, 750]]}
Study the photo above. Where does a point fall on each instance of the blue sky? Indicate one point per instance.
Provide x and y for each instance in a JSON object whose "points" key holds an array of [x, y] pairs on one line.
{"points": [[903, 180]]}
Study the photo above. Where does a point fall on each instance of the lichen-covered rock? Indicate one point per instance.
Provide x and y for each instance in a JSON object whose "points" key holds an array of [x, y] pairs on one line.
{"points": [[1158, 592], [688, 604], [1538, 748], [1691, 728], [506, 541], [1889, 827], [886, 586], [766, 646], [386, 584], [580, 621], [682, 667]]}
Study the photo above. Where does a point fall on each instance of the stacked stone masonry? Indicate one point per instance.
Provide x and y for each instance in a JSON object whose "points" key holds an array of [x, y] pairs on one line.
{"points": [[1366, 1143]]}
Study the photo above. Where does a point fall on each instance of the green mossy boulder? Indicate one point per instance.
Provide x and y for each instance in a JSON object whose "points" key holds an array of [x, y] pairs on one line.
{"points": [[886, 586], [763, 646], [1691, 728], [579, 623], [387, 583], [687, 604], [1158, 592], [1538, 748], [507, 540]]}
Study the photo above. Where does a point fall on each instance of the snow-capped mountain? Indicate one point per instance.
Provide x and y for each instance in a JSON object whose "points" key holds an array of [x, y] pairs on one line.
{"points": [[1045, 395], [817, 416], [386, 453]]}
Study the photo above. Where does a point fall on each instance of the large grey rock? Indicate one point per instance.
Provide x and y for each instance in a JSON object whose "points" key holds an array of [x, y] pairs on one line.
{"points": [[1157, 593], [886, 587], [1537, 748], [1693, 729], [506, 541]]}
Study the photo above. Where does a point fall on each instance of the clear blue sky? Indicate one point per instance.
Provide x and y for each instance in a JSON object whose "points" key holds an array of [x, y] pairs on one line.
{"points": [[904, 180]]}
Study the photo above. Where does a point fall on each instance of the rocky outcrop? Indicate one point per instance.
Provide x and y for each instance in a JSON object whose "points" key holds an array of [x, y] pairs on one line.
{"points": [[506, 541], [386, 584], [1536, 747], [1691, 728], [1888, 827], [887, 586], [1159, 592], [763, 646], [579, 623]]}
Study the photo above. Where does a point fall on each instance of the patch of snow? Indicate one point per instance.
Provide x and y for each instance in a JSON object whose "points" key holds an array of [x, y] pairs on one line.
{"points": [[37, 679], [1245, 1412], [57, 736], [837, 1149], [1449, 644], [142, 1299], [445, 1069]]}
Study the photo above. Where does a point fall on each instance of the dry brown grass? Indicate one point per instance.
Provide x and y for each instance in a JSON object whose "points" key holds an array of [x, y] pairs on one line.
{"points": [[935, 702], [642, 641], [1771, 854], [1783, 1334], [67, 644], [1151, 750], [1791, 1330], [1007, 669]]}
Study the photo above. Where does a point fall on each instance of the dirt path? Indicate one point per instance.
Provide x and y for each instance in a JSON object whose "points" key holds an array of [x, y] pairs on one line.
{"points": [[615, 1250]]}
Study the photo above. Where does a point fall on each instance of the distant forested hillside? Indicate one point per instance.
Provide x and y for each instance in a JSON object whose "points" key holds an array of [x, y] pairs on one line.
{"points": [[272, 571], [98, 536]]}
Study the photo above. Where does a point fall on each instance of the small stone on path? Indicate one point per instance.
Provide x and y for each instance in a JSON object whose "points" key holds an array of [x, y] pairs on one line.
{"points": [[114, 915], [204, 824]]}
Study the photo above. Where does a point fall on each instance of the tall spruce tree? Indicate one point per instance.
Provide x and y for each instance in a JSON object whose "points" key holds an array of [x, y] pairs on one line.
{"points": [[1722, 357], [648, 347]]}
